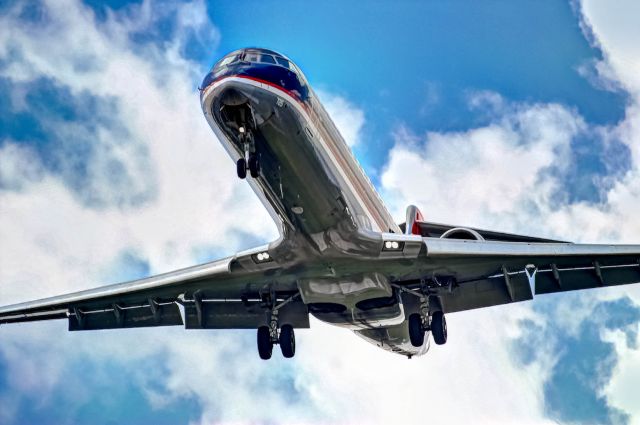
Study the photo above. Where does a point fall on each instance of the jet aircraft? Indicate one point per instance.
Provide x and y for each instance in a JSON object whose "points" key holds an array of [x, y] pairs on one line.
{"points": [[340, 256]]}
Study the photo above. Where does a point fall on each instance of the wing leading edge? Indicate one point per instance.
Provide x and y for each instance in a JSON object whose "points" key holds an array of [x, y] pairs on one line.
{"points": [[144, 302]]}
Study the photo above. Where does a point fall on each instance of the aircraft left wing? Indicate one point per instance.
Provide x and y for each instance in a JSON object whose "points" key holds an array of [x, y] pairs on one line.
{"points": [[469, 274], [223, 294]]}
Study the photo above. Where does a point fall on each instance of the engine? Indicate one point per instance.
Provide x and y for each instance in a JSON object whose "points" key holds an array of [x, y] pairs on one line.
{"points": [[462, 233]]}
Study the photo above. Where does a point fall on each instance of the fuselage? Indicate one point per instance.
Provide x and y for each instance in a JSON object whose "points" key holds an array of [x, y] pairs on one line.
{"points": [[261, 107]]}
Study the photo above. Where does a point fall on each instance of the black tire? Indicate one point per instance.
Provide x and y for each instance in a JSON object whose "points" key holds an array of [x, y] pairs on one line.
{"points": [[241, 168], [416, 331], [439, 328], [265, 346], [254, 165], [287, 341]]}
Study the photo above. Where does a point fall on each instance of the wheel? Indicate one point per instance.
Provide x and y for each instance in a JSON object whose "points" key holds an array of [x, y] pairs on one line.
{"points": [[416, 331], [439, 328], [287, 341], [265, 346], [254, 165], [241, 168]]}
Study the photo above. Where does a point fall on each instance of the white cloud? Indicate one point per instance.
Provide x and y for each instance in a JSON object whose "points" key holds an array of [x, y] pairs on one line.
{"points": [[485, 175], [54, 241], [621, 389], [507, 175], [348, 118], [614, 29]]}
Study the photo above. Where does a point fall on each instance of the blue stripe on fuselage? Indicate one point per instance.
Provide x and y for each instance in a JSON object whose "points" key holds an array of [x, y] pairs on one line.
{"points": [[277, 75]]}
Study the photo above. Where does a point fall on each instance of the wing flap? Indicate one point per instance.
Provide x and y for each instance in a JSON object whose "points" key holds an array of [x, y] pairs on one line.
{"points": [[213, 314], [117, 317], [487, 292], [557, 279]]}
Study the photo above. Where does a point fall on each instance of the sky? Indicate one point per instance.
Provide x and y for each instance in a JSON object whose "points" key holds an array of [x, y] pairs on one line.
{"points": [[513, 116]]}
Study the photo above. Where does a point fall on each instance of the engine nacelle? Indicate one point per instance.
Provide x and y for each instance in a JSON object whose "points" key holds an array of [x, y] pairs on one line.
{"points": [[462, 233]]}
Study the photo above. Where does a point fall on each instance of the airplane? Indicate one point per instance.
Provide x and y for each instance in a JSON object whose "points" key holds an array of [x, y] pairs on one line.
{"points": [[340, 256]]}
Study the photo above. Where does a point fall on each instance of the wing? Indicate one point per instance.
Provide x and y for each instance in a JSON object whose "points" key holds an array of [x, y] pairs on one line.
{"points": [[468, 274], [230, 293]]}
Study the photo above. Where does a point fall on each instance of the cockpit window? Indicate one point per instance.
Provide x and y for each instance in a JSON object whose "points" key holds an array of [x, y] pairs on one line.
{"points": [[251, 57], [257, 56], [283, 62], [267, 59], [226, 61]]}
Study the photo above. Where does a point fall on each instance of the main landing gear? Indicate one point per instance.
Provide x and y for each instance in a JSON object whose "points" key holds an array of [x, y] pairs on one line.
{"points": [[250, 160], [270, 335], [267, 339], [437, 325], [427, 319]]}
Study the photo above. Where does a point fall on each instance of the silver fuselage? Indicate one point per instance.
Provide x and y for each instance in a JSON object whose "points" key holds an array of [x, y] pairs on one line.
{"points": [[315, 190]]}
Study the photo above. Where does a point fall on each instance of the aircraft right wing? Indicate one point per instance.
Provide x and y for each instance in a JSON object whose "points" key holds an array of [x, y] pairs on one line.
{"points": [[471, 274], [228, 293]]}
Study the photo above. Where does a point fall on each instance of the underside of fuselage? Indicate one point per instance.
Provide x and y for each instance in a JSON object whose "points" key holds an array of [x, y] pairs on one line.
{"points": [[314, 193], [292, 177]]}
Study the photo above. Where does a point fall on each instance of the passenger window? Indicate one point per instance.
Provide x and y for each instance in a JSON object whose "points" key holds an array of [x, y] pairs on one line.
{"points": [[267, 59]]}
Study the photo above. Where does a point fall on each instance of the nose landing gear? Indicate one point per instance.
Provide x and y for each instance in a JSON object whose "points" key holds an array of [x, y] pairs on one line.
{"points": [[254, 165], [250, 160], [241, 168]]}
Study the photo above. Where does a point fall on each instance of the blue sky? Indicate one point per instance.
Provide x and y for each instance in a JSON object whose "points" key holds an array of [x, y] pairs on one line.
{"points": [[515, 116]]}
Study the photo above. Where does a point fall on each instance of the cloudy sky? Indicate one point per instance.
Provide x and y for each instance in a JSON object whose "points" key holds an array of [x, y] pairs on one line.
{"points": [[516, 116]]}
